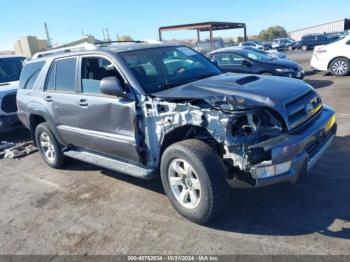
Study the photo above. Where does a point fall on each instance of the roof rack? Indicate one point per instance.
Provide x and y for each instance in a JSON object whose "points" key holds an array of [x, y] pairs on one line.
{"points": [[120, 42], [87, 46], [80, 47]]}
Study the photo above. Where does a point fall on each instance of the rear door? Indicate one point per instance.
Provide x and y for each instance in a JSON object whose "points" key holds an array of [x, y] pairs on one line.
{"points": [[60, 95], [105, 124]]}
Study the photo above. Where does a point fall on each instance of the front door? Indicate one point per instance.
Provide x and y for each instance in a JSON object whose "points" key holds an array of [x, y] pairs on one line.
{"points": [[107, 124]]}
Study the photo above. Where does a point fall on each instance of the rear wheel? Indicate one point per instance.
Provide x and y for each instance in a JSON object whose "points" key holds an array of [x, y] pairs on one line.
{"points": [[340, 67], [304, 47], [193, 178], [290, 48], [49, 148]]}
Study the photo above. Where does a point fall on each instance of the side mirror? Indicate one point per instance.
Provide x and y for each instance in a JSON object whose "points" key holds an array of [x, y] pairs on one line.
{"points": [[246, 63], [111, 86]]}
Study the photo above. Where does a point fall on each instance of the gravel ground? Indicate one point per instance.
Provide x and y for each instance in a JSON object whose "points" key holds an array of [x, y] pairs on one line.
{"points": [[87, 210]]}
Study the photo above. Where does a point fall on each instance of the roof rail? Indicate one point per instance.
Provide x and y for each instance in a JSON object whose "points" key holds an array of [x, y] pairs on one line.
{"points": [[80, 47], [119, 42]]}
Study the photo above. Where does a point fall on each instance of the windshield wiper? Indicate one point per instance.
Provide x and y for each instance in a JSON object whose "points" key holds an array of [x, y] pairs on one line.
{"points": [[174, 84]]}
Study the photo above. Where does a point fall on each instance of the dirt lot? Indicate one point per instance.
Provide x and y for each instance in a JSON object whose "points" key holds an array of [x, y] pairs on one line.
{"points": [[84, 209]]}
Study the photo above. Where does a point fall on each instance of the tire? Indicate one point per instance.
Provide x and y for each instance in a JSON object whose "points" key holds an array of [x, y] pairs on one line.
{"points": [[47, 143], [205, 178], [290, 48], [304, 47], [340, 67]]}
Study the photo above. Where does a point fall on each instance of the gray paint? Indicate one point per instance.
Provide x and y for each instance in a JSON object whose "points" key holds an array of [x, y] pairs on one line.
{"points": [[133, 127]]}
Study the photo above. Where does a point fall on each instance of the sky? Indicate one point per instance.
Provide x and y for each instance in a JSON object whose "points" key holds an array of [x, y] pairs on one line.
{"points": [[140, 19]]}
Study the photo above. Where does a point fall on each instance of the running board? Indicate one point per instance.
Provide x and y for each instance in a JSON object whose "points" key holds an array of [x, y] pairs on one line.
{"points": [[112, 164]]}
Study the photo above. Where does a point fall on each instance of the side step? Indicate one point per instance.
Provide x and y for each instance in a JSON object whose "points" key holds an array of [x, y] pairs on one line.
{"points": [[112, 164]]}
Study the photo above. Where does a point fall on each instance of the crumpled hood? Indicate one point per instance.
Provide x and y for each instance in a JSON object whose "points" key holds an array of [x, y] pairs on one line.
{"points": [[8, 87], [269, 91]]}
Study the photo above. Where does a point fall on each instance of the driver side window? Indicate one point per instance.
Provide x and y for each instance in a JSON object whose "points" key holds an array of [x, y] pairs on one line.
{"points": [[93, 70]]}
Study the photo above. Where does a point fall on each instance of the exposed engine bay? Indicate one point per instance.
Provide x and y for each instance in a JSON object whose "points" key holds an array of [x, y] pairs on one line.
{"points": [[232, 128]]}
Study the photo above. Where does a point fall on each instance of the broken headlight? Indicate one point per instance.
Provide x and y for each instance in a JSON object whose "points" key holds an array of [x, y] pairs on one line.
{"points": [[257, 125]]}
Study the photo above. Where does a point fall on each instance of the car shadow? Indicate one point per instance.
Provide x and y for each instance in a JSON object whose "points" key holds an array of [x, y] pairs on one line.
{"points": [[311, 205], [318, 202], [319, 83]]}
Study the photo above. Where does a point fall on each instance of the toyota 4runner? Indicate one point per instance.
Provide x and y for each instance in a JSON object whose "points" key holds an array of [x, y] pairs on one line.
{"points": [[144, 109]]}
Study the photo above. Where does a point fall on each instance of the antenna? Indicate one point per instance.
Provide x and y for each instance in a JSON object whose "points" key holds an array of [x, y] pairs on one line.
{"points": [[103, 32], [47, 36], [108, 37]]}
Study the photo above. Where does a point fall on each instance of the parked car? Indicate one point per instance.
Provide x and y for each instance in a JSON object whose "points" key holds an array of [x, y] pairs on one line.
{"points": [[142, 109], [241, 60], [10, 69], [280, 44], [310, 41], [334, 57], [254, 44], [272, 53], [205, 47]]}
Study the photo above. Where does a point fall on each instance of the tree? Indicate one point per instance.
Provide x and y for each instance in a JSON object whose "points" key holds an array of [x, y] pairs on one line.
{"points": [[272, 33], [125, 38], [240, 39]]}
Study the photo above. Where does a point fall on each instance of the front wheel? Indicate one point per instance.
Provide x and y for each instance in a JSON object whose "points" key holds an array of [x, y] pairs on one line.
{"points": [[304, 47], [193, 178], [340, 67]]}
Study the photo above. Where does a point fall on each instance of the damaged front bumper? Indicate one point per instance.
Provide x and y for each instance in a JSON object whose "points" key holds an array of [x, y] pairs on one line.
{"points": [[293, 154]]}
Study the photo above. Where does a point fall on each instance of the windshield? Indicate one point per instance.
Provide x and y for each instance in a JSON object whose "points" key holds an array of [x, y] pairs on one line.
{"points": [[10, 69], [335, 38], [257, 56], [157, 69]]}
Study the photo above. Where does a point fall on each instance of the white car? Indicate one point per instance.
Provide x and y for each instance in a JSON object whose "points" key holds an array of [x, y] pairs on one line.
{"points": [[333, 57], [10, 70], [254, 44]]}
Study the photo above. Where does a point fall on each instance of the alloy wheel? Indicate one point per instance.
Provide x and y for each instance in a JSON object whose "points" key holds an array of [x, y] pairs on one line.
{"points": [[184, 183], [47, 147], [340, 67]]}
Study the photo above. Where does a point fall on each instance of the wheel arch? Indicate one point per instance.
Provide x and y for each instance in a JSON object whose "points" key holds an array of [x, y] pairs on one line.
{"points": [[37, 118], [190, 132], [337, 57]]}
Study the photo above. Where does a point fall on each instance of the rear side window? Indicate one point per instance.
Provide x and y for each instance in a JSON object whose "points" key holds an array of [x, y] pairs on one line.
{"points": [[29, 75], [62, 75], [228, 59]]}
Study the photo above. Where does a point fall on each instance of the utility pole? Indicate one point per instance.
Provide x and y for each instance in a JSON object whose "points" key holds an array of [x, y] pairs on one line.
{"points": [[47, 36]]}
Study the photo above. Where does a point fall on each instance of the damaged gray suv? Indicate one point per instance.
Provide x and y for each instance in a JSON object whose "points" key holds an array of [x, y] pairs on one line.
{"points": [[144, 109]]}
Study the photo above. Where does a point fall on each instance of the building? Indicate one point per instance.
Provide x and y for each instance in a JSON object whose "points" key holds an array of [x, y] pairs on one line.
{"points": [[7, 52], [29, 45], [330, 27]]}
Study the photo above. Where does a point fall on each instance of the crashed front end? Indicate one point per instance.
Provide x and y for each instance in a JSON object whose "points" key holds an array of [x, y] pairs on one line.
{"points": [[258, 145]]}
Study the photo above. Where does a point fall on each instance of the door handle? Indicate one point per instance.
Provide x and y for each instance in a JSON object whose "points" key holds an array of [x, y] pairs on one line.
{"points": [[48, 98], [83, 102]]}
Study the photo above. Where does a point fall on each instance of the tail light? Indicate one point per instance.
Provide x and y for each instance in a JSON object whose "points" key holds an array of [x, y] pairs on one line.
{"points": [[320, 51]]}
